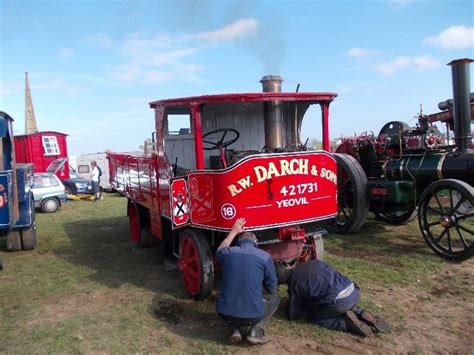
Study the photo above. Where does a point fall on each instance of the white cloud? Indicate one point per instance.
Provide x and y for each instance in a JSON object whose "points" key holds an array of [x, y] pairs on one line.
{"points": [[139, 42], [65, 53], [454, 37], [401, 63], [159, 58], [101, 40], [238, 29], [357, 52]]}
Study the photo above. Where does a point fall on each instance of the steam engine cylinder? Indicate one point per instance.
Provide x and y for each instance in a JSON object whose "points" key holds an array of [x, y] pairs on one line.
{"points": [[427, 168]]}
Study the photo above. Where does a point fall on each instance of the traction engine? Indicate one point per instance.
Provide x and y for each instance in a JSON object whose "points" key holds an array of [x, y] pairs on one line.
{"points": [[215, 158], [419, 168]]}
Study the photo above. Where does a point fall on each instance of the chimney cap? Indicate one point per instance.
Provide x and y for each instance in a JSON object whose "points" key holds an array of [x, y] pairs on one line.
{"points": [[458, 61], [271, 78]]}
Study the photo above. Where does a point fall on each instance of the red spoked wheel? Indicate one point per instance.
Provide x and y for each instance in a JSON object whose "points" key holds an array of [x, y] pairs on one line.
{"points": [[196, 264], [134, 223]]}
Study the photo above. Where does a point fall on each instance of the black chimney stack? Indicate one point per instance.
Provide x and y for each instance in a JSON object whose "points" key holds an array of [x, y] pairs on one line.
{"points": [[462, 107], [273, 114]]}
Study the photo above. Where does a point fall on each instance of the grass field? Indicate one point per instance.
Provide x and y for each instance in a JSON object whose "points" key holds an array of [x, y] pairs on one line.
{"points": [[86, 289]]}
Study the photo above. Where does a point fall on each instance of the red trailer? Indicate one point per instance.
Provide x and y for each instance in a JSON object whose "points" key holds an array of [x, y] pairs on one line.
{"points": [[42, 149], [213, 159]]}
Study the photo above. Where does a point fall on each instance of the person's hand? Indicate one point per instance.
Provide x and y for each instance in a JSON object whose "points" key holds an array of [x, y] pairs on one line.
{"points": [[239, 226]]}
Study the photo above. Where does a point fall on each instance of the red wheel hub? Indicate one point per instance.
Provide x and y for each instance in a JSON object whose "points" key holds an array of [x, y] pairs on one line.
{"points": [[190, 265]]}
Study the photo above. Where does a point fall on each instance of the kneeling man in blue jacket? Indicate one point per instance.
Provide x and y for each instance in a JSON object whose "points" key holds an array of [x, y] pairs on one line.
{"points": [[328, 299]]}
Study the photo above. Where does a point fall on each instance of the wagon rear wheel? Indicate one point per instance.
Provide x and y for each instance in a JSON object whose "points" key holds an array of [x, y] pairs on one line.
{"points": [[13, 241], [196, 264], [446, 218], [352, 196], [28, 237], [139, 234]]}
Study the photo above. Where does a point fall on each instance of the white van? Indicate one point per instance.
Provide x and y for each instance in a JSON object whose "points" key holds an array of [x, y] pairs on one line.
{"points": [[83, 167]]}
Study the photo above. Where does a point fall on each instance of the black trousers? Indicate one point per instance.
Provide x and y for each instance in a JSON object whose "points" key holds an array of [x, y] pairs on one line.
{"points": [[270, 305]]}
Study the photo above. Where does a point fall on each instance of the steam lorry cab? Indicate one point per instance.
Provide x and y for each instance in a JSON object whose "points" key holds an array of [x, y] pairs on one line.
{"points": [[215, 158]]}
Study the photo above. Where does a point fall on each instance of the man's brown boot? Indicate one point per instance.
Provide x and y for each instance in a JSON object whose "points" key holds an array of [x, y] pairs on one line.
{"points": [[356, 326]]}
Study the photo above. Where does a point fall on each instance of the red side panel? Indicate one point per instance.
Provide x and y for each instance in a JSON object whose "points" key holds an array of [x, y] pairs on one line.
{"points": [[268, 190], [179, 202]]}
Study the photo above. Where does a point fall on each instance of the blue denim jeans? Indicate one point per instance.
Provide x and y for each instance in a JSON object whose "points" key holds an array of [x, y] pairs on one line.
{"points": [[332, 315]]}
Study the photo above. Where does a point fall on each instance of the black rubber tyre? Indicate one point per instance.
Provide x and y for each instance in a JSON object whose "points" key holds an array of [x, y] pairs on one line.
{"points": [[397, 219], [49, 205], [446, 218], [28, 238], [13, 241], [352, 196], [196, 264]]}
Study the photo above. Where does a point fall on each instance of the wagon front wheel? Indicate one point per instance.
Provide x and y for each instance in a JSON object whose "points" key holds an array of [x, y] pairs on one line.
{"points": [[446, 218], [196, 264]]}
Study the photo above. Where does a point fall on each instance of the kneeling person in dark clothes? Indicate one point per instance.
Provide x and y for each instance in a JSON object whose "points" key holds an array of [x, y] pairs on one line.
{"points": [[246, 272], [328, 299]]}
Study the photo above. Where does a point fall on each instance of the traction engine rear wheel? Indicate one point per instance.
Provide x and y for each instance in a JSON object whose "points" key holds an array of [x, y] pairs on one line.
{"points": [[196, 264], [352, 196], [446, 218], [397, 217]]}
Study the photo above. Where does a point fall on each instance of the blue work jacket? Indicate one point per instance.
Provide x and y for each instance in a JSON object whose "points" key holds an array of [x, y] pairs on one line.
{"points": [[245, 271]]}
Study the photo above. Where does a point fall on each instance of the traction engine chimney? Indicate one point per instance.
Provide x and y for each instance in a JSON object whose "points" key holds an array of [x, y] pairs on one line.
{"points": [[462, 107], [273, 114]]}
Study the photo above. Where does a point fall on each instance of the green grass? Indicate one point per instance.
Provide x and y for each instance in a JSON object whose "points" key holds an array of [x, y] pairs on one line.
{"points": [[87, 289]]}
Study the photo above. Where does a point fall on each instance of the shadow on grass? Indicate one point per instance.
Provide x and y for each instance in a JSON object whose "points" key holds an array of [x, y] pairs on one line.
{"points": [[104, 246], [377, 239], [199, 321]]}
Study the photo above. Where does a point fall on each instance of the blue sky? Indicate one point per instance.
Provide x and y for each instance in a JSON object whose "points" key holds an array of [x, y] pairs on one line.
{"points": [[94, 65]]}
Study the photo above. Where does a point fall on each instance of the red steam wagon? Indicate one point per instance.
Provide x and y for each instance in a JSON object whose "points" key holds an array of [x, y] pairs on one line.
{"points": [[47, 150], [215, 158]]}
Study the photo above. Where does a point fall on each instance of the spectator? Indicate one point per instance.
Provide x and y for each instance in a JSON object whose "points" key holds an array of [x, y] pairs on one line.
{"points": [[95, 181]]}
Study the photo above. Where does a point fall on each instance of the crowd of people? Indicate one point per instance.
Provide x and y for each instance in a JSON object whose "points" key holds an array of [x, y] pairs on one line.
{"points": [[249, 292]]}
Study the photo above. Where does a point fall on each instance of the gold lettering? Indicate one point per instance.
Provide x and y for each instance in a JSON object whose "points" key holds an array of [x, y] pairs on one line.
{"points": [[294, 166], [245, 182], [285, 167], [304, 166], [260, 173], [272, 171], [234, 190]]}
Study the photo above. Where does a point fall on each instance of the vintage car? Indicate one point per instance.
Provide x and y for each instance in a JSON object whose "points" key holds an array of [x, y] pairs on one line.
{"points": [[48, 191]]}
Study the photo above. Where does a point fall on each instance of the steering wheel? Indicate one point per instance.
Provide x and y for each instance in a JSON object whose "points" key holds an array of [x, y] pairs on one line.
{"points": [[220, 143]]}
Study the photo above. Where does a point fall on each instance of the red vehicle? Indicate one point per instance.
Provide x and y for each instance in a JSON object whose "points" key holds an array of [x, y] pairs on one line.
{"points": [[216, 158]]}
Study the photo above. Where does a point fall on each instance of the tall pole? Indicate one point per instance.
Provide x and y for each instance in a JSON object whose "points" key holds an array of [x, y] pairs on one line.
{"points": [[30, 119]]}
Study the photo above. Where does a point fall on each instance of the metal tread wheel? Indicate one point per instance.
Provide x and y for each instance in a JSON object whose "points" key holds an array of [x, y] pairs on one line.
{"points": [[446, 218], [395, 218], [195, 263], [139, 234], [352, 198]]}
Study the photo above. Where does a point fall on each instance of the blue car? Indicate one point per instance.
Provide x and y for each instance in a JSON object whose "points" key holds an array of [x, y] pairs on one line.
{"points": [[76, 185]]}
